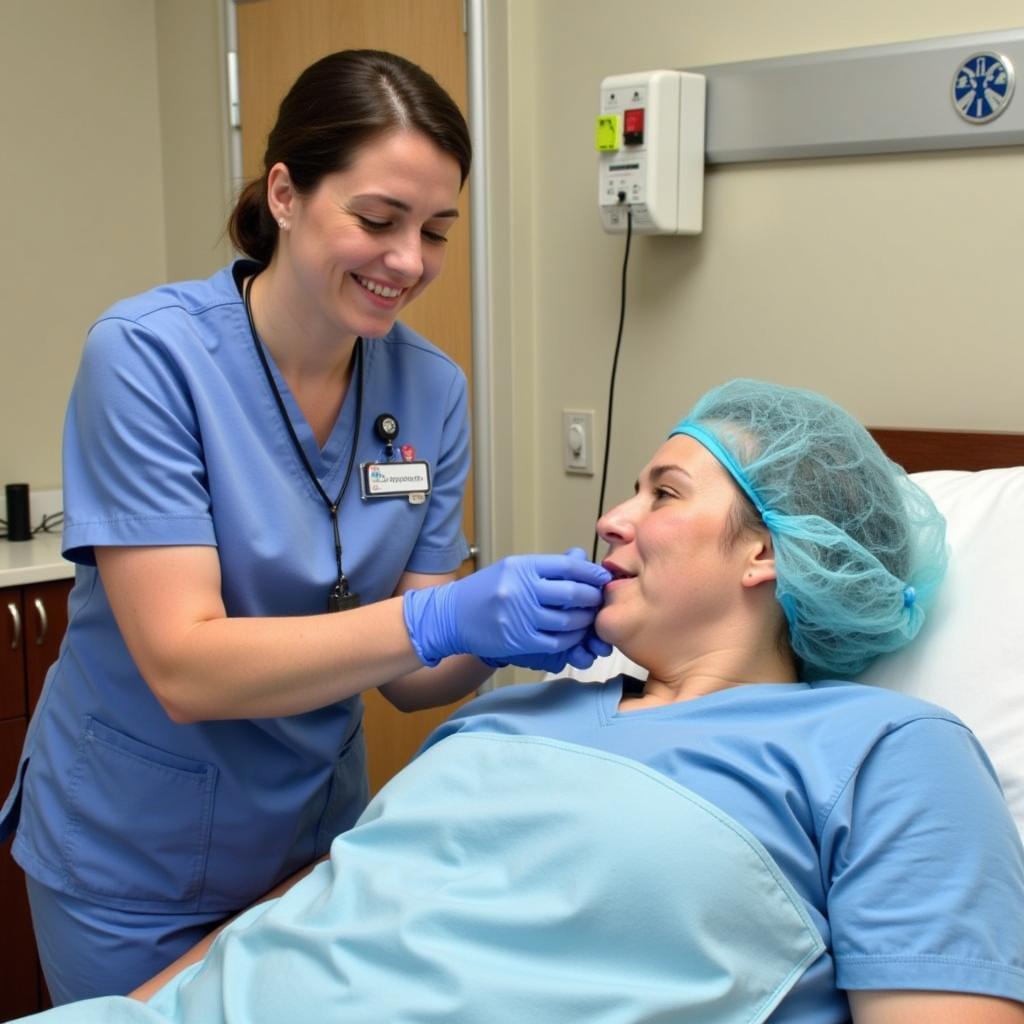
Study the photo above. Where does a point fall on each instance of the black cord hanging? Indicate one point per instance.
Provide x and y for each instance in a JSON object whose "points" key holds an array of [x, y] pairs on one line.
{"points": [[611, 388]]}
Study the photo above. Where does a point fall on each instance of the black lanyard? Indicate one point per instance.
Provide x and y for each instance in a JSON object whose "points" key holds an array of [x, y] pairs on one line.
{"points": [[340, 598]]}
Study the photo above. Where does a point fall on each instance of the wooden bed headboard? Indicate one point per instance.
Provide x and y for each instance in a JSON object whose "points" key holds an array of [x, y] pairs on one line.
{"points": [[920, 450]]}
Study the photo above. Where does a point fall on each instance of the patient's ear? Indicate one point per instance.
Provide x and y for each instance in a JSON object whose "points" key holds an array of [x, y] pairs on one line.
{"points": [[760, 566]]}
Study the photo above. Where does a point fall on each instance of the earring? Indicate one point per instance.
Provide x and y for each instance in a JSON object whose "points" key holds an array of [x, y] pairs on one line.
{"points": [[281, 223]]}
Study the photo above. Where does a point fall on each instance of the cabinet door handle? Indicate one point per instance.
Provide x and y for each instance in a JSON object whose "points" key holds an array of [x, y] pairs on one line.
{"points": [[16, 622], [44, 622]]}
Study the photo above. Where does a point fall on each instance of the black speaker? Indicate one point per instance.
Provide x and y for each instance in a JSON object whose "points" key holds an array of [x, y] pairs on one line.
{"points": [[19, 526]]}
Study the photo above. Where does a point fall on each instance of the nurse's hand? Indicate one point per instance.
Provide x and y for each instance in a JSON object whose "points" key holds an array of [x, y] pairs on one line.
{"points": [[583, 655], [525, 605]]}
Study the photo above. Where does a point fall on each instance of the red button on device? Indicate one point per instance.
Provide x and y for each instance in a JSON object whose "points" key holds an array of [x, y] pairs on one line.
{"points": [[633, 127]]}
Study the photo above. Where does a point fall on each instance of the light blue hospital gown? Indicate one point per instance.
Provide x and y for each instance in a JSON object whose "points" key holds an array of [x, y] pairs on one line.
{"points": [[881, 810], [173, 437]]}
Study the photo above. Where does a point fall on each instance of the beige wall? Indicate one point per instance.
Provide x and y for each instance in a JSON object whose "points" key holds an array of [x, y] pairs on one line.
{"points": [[891, 283], [861, 277], [113, 171]]}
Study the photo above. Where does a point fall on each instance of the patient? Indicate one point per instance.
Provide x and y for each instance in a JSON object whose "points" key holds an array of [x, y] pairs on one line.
{"points": [[742, 837]]}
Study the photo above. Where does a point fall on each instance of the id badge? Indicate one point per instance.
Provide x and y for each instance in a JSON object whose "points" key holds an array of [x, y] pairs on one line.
{"points": [[395, 480]]}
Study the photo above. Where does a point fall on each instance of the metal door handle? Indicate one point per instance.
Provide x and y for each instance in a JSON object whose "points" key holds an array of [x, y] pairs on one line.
{"points": [[16, 620], [44, 622]]}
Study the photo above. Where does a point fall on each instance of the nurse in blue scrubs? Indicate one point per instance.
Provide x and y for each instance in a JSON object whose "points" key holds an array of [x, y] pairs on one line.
{"points": [[263, 483]]}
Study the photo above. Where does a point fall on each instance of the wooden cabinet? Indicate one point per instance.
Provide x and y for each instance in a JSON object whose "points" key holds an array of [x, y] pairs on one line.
{"points": [[19, 967], [33, 619]]}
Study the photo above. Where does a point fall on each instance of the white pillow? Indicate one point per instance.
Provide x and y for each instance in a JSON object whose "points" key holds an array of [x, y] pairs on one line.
{"points": [[969, 656]]}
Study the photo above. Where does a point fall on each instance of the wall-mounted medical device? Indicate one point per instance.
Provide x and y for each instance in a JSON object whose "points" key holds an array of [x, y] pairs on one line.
{"points": [[650, 143], [952, 92]]}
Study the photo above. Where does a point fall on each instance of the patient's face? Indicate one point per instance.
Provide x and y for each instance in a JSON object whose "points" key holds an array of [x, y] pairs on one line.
{"points": [[666, 550]]}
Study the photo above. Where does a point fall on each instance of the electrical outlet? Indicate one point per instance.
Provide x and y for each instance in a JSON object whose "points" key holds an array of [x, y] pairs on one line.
{"points": [[578, 441]]}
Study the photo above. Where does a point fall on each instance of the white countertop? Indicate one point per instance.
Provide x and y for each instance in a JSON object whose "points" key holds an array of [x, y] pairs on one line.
{"points": [[33, 561]]}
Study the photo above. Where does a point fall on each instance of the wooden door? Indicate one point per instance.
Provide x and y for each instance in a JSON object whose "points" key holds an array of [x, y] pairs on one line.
{"points": [[276, 40]]}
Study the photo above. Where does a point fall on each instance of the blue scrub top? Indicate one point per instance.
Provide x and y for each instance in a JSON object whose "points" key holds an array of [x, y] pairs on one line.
{"points": [[173, 436], [882, 811]]}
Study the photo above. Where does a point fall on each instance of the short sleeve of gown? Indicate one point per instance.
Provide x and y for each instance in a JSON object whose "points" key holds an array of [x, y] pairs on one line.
{"points": [[926, 869], [441, 546], [133, 458]]}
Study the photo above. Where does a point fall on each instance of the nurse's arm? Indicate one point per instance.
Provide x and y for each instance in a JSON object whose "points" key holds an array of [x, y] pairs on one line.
{"points": [[431, 687], [202, 665], [149, 988], [913, 1007]]}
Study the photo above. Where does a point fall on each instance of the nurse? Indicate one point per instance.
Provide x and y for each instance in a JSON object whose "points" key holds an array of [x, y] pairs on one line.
{"points": [[263, 484]]}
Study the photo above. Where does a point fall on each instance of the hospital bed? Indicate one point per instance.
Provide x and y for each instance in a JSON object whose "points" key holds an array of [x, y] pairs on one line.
{"points": [[969, 656]]}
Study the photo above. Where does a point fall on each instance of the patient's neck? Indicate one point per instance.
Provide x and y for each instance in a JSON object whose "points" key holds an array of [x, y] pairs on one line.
{"points": [[688, 678]]}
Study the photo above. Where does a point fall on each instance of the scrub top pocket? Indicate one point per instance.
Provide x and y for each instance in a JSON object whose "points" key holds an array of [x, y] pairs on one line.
{"points": [[139, 822], [348, 795]]}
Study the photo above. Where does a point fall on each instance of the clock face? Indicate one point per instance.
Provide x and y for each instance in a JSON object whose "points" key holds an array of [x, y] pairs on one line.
{"points": [[982, 87]]}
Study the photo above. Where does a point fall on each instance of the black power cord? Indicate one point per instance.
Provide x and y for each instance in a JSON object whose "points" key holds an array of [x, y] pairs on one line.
{"points": [[611, 388], [50, 523]]}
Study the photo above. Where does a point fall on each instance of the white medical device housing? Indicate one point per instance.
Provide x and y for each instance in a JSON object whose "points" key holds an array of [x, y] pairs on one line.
{"points": [[650, 142]]}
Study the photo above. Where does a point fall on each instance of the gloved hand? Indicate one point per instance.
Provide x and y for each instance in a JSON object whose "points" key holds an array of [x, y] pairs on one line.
{"points": [[582, 655], [522, 605]]}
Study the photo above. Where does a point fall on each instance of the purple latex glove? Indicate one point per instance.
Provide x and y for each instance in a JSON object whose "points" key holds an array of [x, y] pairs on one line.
{"points": [[524, 605], [582, 655]]}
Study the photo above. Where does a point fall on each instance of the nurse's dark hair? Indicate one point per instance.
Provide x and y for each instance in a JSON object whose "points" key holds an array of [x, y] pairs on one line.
{"points": [[335, 107]]}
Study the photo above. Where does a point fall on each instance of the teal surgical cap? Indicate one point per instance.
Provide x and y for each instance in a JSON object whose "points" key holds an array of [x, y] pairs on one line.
{"points": [[860, 549]]}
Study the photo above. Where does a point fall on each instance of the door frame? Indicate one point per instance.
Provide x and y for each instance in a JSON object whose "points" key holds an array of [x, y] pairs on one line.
{"points": [[480, 297]]}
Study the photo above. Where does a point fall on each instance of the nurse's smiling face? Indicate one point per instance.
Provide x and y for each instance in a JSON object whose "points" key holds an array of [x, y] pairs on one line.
{"points": [[677, 577], [370, 238]]}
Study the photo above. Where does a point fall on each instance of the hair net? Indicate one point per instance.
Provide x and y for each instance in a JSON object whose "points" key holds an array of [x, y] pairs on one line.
{"points": [[860, 549]]}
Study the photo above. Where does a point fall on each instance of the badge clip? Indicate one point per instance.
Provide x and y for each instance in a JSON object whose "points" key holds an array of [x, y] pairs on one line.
{"points": [[341, 600]]}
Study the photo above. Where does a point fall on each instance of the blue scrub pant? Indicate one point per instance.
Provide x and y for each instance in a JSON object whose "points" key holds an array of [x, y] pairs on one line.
{"points": [[89, 950]]}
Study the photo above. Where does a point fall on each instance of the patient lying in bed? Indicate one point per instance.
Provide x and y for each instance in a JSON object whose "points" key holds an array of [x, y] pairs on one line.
{"points": [[742, 836]]}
